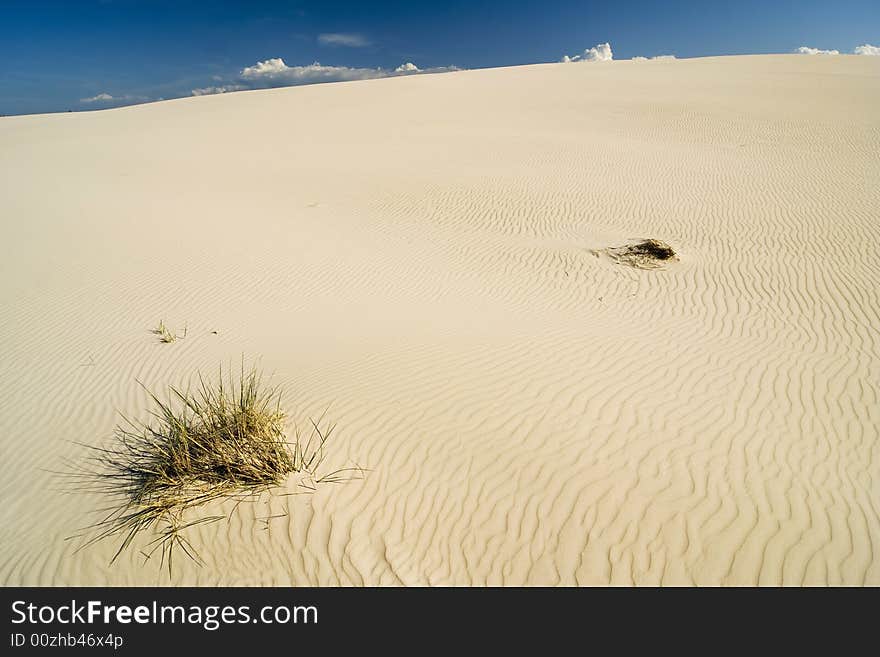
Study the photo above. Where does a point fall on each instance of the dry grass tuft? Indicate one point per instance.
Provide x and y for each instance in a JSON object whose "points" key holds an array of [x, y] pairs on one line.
{"points": [[165, 335], [223, 440], [646, 254]]}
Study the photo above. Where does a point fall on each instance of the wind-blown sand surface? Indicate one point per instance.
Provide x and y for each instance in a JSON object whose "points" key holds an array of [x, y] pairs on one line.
{"points": [[415, 254]]}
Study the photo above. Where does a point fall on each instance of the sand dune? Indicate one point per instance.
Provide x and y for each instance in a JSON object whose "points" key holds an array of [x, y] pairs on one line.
{"points": [[415, 254]]}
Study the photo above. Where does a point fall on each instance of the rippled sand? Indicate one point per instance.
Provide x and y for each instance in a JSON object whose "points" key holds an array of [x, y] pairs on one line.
{"points": [[416, 254]]}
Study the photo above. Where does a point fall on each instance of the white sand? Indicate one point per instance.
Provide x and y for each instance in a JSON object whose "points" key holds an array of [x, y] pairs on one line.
{"points": [[414, 252]]}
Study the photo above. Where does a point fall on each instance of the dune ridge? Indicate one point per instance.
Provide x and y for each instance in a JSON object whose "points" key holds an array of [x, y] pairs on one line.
{"points": [[413, 255]]}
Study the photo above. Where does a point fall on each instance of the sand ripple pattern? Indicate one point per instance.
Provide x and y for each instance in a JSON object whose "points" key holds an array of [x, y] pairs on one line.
{"points": [[414, 254]]}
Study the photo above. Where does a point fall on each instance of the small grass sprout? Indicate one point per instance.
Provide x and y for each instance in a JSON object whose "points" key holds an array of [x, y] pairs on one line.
{"points": [[166, 335]]}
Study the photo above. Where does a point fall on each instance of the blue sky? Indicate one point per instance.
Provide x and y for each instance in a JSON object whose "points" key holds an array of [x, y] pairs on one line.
{"points": [[55, 55]]}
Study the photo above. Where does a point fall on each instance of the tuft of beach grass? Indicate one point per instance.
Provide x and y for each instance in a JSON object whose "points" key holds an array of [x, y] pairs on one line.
{"points": [[218, 440]]}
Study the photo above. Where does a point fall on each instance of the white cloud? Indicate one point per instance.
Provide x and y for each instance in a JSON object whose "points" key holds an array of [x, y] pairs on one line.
{"points": [[660, 58], [867, 49], [207, 91], [416, 69], [107, 99], [100, 98], [599, 53], [267, 68], [347, 40], [275, 73], [806, 50]]}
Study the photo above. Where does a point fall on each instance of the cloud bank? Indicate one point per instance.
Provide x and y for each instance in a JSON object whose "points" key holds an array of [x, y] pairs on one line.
{"points": [[340, 39], [655, 58], [222, 89], [106, 98], [867, 49], [599, 53], [276, 73], [806, 50], [100, 98]]}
